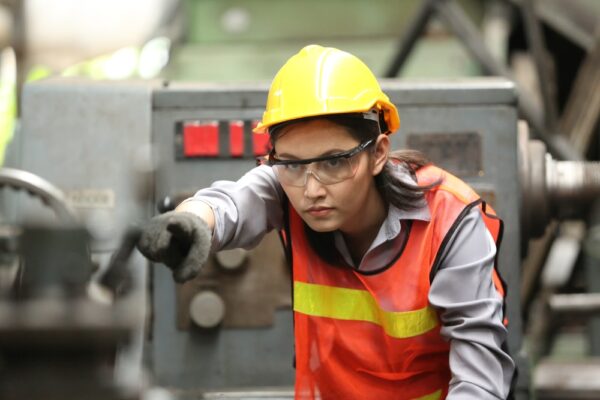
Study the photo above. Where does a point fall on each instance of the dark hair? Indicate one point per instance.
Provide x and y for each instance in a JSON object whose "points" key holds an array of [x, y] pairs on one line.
{"points": [[400, 193]]}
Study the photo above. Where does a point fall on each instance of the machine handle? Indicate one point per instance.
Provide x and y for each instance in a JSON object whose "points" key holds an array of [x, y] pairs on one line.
{"points": [[37, 186]]}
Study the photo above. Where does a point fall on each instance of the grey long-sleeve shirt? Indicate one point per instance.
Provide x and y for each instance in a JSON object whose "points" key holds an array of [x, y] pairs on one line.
{"points": [[462, 290]]}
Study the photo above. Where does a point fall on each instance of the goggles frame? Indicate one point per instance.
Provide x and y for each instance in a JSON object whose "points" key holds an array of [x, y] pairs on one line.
{"points": [[347, 155], [272, 160]]}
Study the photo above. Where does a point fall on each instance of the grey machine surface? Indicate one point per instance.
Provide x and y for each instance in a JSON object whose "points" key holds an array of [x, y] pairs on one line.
{"points": [[231, 327]]}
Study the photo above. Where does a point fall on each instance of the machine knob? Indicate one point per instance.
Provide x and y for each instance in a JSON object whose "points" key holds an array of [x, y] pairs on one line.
{"points": [[231, 260], [207, 309]]}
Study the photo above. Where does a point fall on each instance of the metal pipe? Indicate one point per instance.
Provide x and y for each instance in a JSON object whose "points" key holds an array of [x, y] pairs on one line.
{"points": [[410, 37], [543, 63], [572, 181], [579, 304], [552, 188]]}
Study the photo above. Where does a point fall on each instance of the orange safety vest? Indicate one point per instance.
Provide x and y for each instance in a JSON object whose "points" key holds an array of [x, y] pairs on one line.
{"points": [[375, 336]]}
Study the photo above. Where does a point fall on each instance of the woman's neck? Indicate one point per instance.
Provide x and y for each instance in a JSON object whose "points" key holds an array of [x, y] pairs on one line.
{"points": [[360, 237]]}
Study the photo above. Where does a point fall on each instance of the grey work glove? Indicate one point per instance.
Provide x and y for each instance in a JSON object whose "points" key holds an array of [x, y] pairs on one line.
{"points": [[180, 240]]}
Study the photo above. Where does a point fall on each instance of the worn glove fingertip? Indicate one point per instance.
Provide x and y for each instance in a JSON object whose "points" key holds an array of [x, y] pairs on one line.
{"points": [[185, 273], [147, 247], [142, 246], [198, 253], [163, 241]]}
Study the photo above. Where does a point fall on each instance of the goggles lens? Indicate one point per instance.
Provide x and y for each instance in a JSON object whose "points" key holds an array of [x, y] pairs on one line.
{"points": [[327, 170]]}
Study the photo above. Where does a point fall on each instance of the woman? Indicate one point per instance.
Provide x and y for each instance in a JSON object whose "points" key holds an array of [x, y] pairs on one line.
{"points": [[395, 291]]}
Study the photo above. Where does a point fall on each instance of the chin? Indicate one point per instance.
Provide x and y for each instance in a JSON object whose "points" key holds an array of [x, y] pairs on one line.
{"points": [[322, 226]]}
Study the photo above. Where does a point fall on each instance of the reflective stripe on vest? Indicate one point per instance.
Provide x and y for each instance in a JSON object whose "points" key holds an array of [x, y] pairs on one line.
{"points": [[359, 305], [433, 396]]}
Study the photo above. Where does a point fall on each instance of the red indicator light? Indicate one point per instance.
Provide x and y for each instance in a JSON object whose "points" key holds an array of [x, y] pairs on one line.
{"points": [[201, 139]]}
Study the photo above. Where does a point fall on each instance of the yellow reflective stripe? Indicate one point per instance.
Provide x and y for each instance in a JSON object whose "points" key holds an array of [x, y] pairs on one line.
{"points": [[359, 305], [432, 396]]}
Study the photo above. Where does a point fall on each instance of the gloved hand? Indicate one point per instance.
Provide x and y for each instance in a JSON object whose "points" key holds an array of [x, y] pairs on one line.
{"points": [[180, 240]]}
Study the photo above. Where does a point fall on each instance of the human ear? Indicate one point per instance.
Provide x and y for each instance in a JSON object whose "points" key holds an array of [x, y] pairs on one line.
{"points": [[380, 155]]}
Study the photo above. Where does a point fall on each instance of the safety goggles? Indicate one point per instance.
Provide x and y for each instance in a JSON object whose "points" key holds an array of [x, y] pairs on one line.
{"points": [[329, 169]]}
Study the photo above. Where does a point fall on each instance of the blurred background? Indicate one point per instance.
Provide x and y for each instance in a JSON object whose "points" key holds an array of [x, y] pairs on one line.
{"points": [[112, 111]]}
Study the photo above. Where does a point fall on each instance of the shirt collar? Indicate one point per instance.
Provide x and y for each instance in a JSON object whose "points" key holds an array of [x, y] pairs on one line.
{"points": [[391, 225], [390, 229]]}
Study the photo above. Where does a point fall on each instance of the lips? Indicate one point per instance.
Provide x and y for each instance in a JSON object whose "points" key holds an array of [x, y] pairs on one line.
{"points": [[319, 211]]}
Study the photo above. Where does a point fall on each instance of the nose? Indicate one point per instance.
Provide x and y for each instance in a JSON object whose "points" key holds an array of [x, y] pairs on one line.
{"points": [[312, 187]]}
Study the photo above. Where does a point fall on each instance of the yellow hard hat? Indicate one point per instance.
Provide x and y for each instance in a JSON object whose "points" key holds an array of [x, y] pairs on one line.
{"points": [[323, 81]]}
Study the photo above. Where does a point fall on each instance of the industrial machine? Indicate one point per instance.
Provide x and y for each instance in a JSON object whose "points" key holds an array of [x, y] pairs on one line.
{"points": [[58, 340], [122, 152]]}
